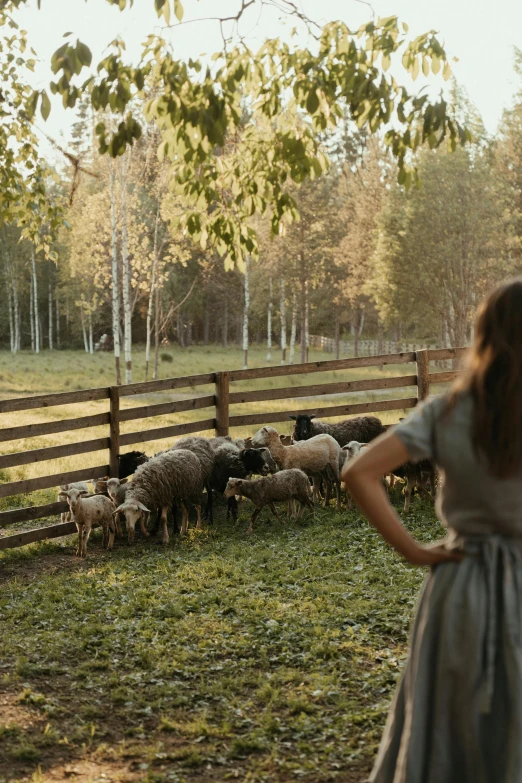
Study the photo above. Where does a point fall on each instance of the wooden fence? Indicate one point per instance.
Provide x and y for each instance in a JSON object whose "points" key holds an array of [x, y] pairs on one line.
{"points": [[220, 401]]}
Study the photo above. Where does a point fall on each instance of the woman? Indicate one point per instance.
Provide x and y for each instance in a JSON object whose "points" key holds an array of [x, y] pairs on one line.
{"points": [[457, 714]]}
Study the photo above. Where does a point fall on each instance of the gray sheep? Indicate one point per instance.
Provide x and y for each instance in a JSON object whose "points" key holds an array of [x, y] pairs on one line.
{"points": [[203, 450], [286, 485], [172, 477], [360, 428]]}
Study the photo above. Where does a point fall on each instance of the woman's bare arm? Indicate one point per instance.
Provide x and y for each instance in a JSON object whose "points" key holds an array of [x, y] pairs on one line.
{"points": [[363, 475]]}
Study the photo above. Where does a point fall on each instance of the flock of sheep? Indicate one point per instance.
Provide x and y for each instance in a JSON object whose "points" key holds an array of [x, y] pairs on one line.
{"points": [[176, 478]]}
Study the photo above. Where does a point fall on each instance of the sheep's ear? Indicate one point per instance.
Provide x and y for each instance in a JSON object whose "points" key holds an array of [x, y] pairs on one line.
{"points": [[263, 449], [123, 507], [103, 478], [83, 492], [123, 481], [143, 508], [241, 453], [294, 418], [264, 429], [312, 416]]}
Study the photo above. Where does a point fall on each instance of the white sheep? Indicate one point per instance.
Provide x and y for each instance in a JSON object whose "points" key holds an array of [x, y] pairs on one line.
{"points": [[347, 453], [62, 496], [317, 457], [87, 512]]}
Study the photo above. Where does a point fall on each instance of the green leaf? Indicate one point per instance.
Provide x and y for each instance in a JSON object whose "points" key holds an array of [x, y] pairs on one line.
{"points": [[179, 10], [84, 53], [312, 102], [45, 105]]}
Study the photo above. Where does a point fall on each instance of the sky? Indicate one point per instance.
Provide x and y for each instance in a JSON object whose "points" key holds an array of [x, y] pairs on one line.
{"points": [[480, 33]]}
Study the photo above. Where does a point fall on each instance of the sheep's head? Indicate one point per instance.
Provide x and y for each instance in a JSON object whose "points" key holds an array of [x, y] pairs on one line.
{"points": [[74, 496], [258, 461], [132, 512], [353, 447], [100, 485], [233, 487], [113, 484], [303, 426], [265, 436]]}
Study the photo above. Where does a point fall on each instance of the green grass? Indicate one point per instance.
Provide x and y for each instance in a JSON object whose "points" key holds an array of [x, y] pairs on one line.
{"points": [[264, 658]]}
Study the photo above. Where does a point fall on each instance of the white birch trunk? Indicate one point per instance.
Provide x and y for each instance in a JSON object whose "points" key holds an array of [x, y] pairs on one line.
{"points": [[31, 311], [57, 312], [50, 291], [293, 331], [126, 281], [91, 336], [35, 302], [115, 286], [245, 314], [156, 333], [282, 315], [84, 331], [12, 341], [17, 316], [269, 325], [150, 305], [306, 323]]}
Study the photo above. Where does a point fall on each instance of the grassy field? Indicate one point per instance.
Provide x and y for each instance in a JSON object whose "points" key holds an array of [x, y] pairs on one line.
{"points": [[269, 657]]}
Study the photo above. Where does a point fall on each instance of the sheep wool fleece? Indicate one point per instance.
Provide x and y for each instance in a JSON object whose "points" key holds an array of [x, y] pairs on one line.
{"points": [[457, 714]]}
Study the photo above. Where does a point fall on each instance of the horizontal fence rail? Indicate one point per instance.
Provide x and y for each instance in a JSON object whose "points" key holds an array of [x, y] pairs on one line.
{"points": [[218, 400]]}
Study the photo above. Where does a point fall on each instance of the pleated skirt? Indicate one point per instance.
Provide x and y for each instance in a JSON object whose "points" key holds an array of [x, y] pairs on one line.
{"points": [[457, 714]]}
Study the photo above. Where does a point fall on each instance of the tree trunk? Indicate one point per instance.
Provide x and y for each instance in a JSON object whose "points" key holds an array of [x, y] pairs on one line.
{"points": [[50, 290], [282, 316], [35, 302], [115, 285], [225, 323], [269, 324], [84, 331], [337, 335], [380, 349], [91, 336], [188, 334], [126, 275], [17, 315], [12, 340], [293, 329], [57, 313], [307, 323], [246, 311], [156, 333], [31, 312], [150, 304], [356, 333], [303, 322]]}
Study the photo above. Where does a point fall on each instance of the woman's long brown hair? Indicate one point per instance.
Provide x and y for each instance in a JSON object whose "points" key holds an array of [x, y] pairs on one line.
{"points": [[493, 376]]}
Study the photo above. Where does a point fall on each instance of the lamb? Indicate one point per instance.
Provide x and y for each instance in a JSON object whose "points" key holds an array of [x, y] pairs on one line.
{"points": [[173, 477], [361, 428], [89, 511], [317, 457], [347, 453], [291, 484], [62, 496]]}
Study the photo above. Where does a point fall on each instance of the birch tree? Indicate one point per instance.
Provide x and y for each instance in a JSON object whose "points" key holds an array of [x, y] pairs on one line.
{"points": [[246, 310], [282, 317], [269, 323], [114, 270], [293, 331], [36, 317], [126, 274]]}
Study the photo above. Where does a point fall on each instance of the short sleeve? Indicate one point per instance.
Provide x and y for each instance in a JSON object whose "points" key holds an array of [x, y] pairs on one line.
{"points": [[417, 431]]}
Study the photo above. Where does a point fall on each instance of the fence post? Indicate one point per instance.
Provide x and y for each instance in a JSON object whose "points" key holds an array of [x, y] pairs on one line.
{"points": [[222, 402], [114, 437], [423, 374]]}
